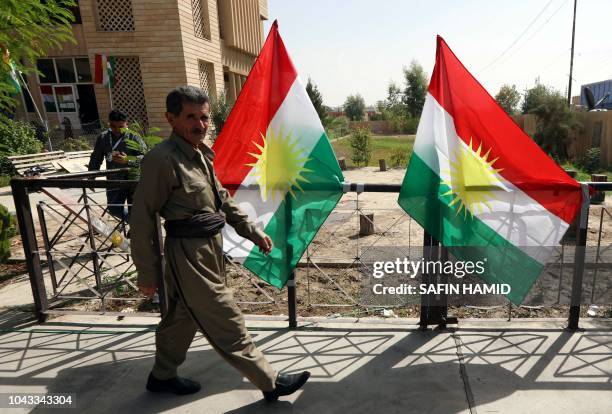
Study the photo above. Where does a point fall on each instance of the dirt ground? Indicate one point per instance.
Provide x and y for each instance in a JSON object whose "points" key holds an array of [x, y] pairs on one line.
{"points": [[330, 278]]}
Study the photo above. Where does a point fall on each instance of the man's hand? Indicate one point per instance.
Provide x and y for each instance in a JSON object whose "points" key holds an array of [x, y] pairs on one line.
{"points": [[265, 245], [120, 157], [148, 290]]}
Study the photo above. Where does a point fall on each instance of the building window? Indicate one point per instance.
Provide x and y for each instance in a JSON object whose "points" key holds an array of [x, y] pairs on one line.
{"points": [[64, 70], [201, 19], [46, 67], [76, 12], [207, 77], [128, 91], [219, 20], [115, 15], [83, 69]]}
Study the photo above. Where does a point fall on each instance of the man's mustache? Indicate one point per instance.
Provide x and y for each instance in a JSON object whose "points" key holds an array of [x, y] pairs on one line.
{"points": [[198, 131]]}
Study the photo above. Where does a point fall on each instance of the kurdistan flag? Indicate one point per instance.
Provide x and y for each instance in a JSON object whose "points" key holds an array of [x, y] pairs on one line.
{"points": [[274, 157], [104, 70], [13, 75], [480, 185]]}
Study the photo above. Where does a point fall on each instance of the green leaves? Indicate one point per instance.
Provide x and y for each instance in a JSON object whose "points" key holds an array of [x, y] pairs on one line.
{"points": [[354, 107], [28, 29]]}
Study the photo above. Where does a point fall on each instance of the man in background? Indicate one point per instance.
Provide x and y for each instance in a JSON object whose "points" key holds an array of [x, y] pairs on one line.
{"points": [[113, 145]]}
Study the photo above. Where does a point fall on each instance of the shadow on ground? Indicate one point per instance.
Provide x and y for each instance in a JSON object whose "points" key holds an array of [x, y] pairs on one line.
{"points": [[355, 370]]}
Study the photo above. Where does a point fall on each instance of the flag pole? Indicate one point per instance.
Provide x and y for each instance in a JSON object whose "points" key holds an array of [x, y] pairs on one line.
{"points": [[42, 121], [110, 95]]}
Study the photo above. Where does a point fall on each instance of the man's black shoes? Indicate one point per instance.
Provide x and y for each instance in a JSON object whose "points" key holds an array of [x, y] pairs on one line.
{"points": [[286, 384], [176, 385]]}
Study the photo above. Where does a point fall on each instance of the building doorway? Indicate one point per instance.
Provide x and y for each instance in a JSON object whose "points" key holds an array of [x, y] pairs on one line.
{"points": [[88, 109]]}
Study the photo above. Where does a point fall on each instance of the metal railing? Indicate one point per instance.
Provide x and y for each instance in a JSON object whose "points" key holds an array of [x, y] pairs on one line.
{"points": [[99, 251]]}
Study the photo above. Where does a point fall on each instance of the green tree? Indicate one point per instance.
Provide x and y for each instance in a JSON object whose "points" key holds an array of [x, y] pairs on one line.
{"points": [[415, 89], [554, 123], [508, 98], [220, 109], [354, 107], [361, 145], [27, 30], [394, 110], [394, 99], [316, 98], [534, 97]]}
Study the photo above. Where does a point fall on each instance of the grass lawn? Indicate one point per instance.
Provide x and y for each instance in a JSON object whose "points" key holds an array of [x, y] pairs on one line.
{"points": [[4, 180], [582, 175], [382, 147]]}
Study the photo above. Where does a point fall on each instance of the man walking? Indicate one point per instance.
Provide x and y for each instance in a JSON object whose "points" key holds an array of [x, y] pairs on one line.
{"points": [[179, 183], [112, 146]]}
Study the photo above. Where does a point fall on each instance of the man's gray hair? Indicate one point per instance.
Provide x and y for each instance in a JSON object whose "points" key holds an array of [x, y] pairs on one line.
{"points": [[184, 93]]}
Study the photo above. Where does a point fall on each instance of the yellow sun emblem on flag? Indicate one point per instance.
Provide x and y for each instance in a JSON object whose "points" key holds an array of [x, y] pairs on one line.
{"points": [[472, 180], [280, 165]]}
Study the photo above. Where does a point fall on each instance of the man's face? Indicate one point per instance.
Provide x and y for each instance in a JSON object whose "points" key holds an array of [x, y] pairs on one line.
{"points": [[192, 122], [117, 126]]}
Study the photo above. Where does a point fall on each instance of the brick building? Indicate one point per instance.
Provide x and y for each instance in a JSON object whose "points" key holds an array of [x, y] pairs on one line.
{"points": [[157, 45]]}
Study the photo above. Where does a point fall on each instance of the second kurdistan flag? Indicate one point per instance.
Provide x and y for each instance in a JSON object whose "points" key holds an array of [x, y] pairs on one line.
{"points": [[104, 70], [274, 157], [480, 185], [12, 76]]}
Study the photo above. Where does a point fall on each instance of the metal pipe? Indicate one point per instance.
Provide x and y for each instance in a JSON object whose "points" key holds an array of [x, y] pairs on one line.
{"points": [[30, 247], [576, 296]]}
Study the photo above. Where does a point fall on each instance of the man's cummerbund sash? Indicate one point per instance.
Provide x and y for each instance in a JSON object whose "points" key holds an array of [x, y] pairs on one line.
{"points": [[202, 224]]}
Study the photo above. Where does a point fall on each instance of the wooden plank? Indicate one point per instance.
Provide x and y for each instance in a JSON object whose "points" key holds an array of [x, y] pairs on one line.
{"points": [[18, 157], [78, 154], [39, 159], [72, 166], [47, 163]]}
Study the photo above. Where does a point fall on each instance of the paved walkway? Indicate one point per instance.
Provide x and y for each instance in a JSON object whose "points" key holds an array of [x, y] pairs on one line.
{"points": [[371, 366]]}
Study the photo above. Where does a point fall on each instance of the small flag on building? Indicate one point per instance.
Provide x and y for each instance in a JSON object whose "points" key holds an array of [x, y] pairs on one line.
{"points": [[48, 99], [273, 141], [483, 187], [104, 70], [13, 74]]}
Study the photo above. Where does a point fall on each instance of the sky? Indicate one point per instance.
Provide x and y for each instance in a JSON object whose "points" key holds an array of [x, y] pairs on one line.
{"points": [[360, 46]]}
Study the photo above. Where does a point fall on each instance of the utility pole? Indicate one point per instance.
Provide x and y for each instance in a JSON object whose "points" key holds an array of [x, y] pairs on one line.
{"points": [[569, 88]]}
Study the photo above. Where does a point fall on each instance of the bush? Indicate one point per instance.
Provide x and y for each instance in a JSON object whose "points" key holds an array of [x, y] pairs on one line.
{"points": [[361, 145], [16, 138], [220, 109], [6, 168], [591, 160], [148, 135], [411, 125], [75, 144], [336, 127], [19, 138], [399, 157], [7, 230]]}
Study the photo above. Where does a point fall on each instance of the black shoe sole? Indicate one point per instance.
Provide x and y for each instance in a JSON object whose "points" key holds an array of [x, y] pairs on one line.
{"points": [[272, 396]]}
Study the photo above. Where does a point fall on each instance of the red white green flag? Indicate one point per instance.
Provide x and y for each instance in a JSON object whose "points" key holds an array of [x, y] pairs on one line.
{"points": [[104, 70], [274, 157], [475, 179]]}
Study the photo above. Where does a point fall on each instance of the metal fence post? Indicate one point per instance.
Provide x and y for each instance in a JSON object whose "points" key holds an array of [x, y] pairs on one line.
{"points": [[292, 301], [428, 248], [94, 250], [30, 246], [579, 258]]}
